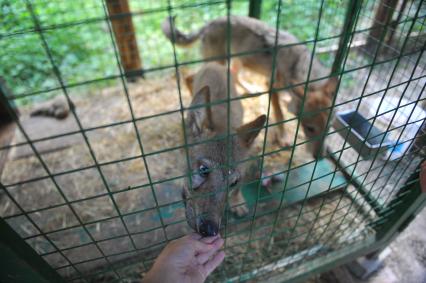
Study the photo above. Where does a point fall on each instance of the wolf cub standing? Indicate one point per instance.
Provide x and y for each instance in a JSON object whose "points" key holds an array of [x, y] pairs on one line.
{"points": [[205, 192], [257, 39]]}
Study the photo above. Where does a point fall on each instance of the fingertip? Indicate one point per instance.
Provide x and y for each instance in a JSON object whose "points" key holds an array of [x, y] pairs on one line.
{"points": [[209, 240], [219, 243]]}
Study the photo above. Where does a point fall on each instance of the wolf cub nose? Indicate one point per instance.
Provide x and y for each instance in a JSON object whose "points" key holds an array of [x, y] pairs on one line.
{"points": [[208, 228]]}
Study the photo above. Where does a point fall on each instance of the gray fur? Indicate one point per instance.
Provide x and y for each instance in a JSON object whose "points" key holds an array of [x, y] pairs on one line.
{"points": [[251, 35]]}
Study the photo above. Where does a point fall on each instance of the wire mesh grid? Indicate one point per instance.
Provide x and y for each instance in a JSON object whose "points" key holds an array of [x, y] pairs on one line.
{"points": [[103, 206]]}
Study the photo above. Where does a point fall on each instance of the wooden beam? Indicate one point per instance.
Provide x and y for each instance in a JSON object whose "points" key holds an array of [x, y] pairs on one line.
{"points": [[124, 33]]}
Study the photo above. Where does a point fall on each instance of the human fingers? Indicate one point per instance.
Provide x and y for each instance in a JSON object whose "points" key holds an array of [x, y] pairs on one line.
{"points": [[209, 240], [213, 263], [202, 258], [202, 245], [199, 247], [188, 240], [194, 236]]}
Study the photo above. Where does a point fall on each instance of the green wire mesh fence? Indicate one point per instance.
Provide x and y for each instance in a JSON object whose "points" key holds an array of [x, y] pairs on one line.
{"points": [[97, 194]]}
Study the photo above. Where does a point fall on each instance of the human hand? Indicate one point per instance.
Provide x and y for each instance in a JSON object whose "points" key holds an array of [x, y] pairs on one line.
{"points": [[189, 259]]}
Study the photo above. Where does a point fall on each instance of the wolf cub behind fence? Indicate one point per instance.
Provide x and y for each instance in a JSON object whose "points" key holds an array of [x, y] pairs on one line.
{"points": [[256, 40], [206, 124]]}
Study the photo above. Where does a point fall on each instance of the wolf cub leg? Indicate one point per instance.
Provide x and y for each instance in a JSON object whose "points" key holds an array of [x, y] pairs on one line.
{"points": [[280, 134]]}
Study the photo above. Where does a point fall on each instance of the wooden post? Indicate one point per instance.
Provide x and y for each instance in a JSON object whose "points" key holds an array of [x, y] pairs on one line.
{"points": [[382, 18], [124, 33]]}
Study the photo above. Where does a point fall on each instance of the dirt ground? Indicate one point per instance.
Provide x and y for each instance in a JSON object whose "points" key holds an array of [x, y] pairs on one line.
{"points": [[132, 224]]}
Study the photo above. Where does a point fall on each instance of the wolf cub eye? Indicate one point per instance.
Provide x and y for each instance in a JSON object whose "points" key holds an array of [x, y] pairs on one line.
{"points": [[203, 171], [234, 183], [310, 129]]}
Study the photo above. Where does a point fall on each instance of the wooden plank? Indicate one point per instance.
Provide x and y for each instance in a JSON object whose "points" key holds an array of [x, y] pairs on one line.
{"points": [[124, 33]]}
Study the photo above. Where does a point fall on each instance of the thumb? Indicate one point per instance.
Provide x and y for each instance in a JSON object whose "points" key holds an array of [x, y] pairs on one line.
{"points": [[213, 263], [200, 247], [204, 244]]}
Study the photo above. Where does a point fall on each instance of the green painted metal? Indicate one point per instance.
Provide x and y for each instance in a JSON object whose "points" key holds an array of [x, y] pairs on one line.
{"points": [[301, 182], [411, 201], [298, 184], [255, 8], [19, 262], [401, 210], [6, 105], [354, 6], [353, 178]]}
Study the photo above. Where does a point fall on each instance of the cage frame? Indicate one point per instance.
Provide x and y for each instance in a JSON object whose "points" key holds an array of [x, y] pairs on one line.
{"points": [[394, 217]]}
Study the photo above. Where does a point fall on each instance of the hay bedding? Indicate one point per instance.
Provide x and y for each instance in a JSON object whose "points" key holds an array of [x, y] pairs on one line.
{"points": [[149, 97]]}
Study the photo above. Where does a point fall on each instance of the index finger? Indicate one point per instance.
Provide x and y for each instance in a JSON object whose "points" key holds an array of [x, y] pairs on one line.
{"points": [[210, 240], [195, 236], [201, 245]]}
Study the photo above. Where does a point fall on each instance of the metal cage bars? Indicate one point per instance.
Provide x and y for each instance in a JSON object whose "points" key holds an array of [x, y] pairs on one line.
{"points": [[143, 155]]}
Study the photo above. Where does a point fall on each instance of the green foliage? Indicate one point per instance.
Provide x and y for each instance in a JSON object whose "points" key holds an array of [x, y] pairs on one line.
{"points": [[81, 52], [79, 41]]}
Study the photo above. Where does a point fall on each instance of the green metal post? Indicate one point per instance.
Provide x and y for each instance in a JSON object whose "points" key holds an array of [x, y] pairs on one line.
{"points": [[402, 209], [5, 104], [350, 20], [353, 179], [255, 8], [19, 262]]}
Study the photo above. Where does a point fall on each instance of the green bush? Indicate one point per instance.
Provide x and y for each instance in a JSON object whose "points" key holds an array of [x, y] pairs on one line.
{"points": [[81, 47]]}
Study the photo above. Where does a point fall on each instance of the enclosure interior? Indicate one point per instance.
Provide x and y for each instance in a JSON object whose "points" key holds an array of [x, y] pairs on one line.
{"points": [[98, 194]]}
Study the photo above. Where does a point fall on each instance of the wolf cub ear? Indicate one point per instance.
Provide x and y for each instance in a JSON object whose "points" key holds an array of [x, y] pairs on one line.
{"points": [[330, 87], [200, 118], [248, 132], [299, 91]]}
